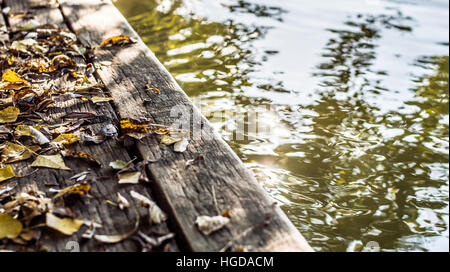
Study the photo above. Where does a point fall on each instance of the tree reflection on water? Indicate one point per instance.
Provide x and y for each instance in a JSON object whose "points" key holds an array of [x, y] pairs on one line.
{"points": [[375, 175]]}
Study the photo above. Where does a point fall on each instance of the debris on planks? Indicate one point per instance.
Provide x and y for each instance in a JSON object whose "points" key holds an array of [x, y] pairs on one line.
{"points": [[58, 135], [74, 104], [181, 181]]}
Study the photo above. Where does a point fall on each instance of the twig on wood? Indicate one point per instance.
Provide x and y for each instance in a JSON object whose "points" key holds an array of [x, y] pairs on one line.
{"points": [[215, 200]]}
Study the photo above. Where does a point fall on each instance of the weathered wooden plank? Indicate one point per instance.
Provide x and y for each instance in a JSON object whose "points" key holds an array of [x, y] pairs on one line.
{"points": [[103, 180], [22, 13], [187, 192], [22, 6], [3, 29]]}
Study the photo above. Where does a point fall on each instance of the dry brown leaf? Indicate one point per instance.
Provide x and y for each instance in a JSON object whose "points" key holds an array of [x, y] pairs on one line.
{"points": [[80, 115], [66, 226], [157, 216], [68, 127], [25, 44], [6, 189], [5, 130], [87, 88], [61, 61], [142, 199], [79, 189], [122, 201], [113, 239], [29, 235], [194, 161], [34, 202], [90, 231], [97, 139], [109, 131], [150, 242], [137, 136], [39, 136], [208, 225]]}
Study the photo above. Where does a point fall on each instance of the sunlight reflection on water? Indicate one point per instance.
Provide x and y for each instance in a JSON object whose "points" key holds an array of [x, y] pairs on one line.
{"points": [[359, 106]]}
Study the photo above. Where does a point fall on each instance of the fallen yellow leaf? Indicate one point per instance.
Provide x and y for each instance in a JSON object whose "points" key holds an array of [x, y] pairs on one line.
{"points": [[6, 173], [66, 139], [9, 227], [22, 130], [9, 115], [80, 155], [80, 189], [169, 140], [12, 77], [133, 126], [116, 40], [66, 226], [119, 164], [14, 152], [53, 162]]}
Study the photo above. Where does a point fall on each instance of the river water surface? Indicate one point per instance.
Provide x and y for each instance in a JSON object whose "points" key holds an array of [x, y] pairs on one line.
{"points": [[355, 94]]}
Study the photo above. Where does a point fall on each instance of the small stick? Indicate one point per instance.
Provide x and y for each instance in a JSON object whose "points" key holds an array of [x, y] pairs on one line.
{"points": [[215, 200]]}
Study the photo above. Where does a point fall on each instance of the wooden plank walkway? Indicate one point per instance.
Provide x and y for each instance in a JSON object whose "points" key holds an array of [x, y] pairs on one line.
{"points": [[217, 182], [3, 29], [103, 179]]}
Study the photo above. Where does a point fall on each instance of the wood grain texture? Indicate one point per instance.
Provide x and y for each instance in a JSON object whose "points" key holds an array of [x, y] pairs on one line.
{"points": [[24, 12], [186, 192], [102, 179], [3, 29]]}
